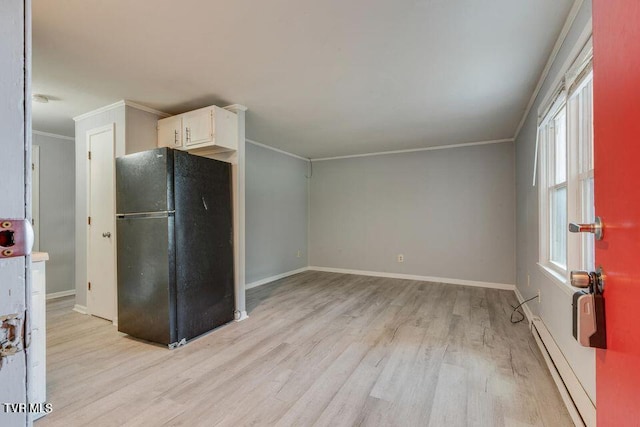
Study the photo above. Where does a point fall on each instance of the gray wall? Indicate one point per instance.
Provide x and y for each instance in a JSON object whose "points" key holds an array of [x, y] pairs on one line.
{"points": [[57, 210], [276, 213], [450, 213], [555, 306]]}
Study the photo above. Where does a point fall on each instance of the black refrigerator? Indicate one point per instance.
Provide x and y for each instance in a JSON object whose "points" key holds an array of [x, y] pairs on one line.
{"points": [[174, 245]]}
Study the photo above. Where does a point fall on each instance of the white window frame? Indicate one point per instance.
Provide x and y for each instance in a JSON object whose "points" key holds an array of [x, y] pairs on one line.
{"points": [[580, 171], [545, 131], [579, 246]]}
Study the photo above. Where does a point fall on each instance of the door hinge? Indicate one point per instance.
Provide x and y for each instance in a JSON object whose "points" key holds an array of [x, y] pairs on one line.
{"points": [[89, 155], [89, 220], [89, 286], [33, 166]]}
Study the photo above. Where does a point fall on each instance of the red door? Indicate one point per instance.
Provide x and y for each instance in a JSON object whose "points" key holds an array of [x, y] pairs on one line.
{"points": [[616, 54]]}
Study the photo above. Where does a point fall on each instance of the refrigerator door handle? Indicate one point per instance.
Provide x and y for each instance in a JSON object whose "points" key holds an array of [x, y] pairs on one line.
{"points": [[162, 214]]}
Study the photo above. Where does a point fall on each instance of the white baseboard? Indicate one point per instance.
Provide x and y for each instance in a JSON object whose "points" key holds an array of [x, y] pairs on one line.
{"points": [[274, 278], [82, 309], [576, 399], [449, 281], [62, 294]]}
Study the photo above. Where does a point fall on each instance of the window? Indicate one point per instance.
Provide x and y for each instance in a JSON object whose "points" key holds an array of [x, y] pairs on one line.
{"points": [[566, 186], [582, 204], [554, 187]]}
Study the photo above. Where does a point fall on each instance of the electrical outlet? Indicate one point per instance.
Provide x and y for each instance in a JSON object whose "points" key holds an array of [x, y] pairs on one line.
{"points": [[400, 258], [528, 280], [299, 254]]}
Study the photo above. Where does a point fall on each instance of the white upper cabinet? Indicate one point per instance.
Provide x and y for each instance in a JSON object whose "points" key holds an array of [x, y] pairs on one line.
{"points": [[198, 127], [170, 132], [207, 130]]}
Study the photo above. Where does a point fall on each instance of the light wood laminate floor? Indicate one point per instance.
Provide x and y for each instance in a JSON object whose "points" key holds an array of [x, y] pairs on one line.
{"points": [[318, 349]]}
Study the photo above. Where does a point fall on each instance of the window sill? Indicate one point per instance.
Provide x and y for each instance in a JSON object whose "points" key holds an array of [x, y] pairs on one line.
{"points": [[558, 279]]}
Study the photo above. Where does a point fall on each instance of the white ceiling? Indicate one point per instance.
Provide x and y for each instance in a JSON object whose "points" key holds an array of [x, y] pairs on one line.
{"points": [[320, 78]]}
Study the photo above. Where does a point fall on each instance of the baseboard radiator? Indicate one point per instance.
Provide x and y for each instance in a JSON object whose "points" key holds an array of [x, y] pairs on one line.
{"points": [[578, 403]]}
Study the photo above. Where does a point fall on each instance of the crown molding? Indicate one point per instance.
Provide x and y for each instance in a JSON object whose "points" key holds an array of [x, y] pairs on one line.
{"points": [[99, 111], [146, 109], [53, 135], [573, 13], [277, 150], [120, 104], [235, 108], [413, 150]]}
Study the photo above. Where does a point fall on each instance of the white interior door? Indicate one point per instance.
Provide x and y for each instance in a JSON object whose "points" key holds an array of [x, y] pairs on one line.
{"points": [[35, 196], [101, 269]]}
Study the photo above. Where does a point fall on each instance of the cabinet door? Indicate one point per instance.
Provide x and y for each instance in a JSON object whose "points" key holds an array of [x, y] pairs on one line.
{"points": [[170, 132], [198, 127]]}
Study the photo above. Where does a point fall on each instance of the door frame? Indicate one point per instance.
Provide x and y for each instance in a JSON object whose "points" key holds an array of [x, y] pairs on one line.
{"points": [[90, 133], [15, 113], [35, 196]]}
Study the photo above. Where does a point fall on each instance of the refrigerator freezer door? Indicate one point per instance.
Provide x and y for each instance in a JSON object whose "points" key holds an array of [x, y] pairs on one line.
{"points": [[204, 244], [146, 278], [144, 182]]}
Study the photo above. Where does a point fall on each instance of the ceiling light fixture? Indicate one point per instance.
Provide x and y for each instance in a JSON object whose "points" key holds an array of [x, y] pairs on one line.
{"points": [[42, 99]]}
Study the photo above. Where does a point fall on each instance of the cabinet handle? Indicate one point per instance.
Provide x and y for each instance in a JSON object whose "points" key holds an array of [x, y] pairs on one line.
{"points": [[186, 130], [175, 137]]}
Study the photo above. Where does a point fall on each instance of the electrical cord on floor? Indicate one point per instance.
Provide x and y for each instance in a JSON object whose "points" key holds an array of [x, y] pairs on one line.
{"points": [[515, 310]]}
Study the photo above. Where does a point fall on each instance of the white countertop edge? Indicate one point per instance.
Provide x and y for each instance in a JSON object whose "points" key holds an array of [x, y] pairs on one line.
{"points": [[39, 256]]}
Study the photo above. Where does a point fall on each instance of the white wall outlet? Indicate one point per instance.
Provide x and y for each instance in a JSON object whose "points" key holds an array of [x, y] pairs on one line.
{"points": [[299, 254], [400, 258]]}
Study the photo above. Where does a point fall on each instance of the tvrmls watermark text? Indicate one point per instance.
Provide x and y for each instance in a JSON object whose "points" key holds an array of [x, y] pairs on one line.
{"points": [[33, 408]]}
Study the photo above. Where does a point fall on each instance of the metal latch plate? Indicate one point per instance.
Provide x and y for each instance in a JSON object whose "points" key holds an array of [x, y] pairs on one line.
{"points": [[16, 238]]}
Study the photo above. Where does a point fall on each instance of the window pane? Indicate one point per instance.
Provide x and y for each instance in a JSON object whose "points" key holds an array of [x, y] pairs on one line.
{"points": [[560, 148], [558, 226]]}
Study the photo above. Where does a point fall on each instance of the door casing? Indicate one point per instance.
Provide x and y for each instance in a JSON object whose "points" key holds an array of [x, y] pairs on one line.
{"points": [[35, 196]]}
